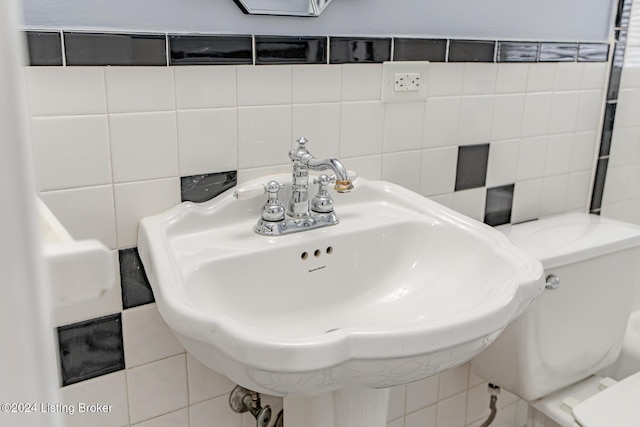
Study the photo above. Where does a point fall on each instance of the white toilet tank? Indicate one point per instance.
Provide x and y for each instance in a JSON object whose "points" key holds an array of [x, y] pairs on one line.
{"points": [[571, 332]]}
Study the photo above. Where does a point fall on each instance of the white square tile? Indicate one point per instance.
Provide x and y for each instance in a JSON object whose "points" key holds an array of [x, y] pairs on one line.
{"points": [[317, 83], [368, 167], [205, 87], [204, 383], [361, 128], [396, 423], [361, 82], [139, 89], [397, 399], [108, 303], [71, 151], [442, 121], [445, 79], [615, 186], [245, 175], [541, 77], [476, 117], [564, 112], [479, 78], [471, 202], [216, 409], [264, 136], [478, 403], [146, 336], [403, 124], [578, 191], [554, 194], [207, 141], [453, 381], [584, 147], [438, 171], [157, 388], [174, 419], [624, 144], [320, 124], [507, 116], [135, 200], [422, 393], [451, 412], [531, 157], [630, 78], [87, 213], [143, 146], [422, 418], [403, 169], [569, 76], [590, 109], [502, 167], [628, 107], [65, 90], [559, 151], [110, 390], [268, 85], [536, 115], [512, 78], [526, 201], [594, 75]]}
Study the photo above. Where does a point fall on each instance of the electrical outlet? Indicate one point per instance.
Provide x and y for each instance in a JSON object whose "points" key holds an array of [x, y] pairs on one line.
{"points": [[407, 82], [404, 81]]}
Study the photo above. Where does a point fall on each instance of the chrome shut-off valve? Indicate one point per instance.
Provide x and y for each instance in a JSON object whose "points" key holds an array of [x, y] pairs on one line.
{"points": [[244, 400]]}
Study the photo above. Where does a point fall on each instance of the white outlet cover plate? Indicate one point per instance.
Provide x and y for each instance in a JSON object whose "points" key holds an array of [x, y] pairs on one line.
{"points": [[389, 71]]}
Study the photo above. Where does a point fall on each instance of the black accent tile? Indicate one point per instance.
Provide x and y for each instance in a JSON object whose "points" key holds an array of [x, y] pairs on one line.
{"points": [[471, 170], [345, 50], [471, 51], [90, 349], [615, 73], [598, 184], [210, 50], [136, 289], [291, 50], [200, 188], [115, 49], [558, 52], [498, 205], [45, 48], [607, 128], [593, 52], [518, 51], [409, 49]]}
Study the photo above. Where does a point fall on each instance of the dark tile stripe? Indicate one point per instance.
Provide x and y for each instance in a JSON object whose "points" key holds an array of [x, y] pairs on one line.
{"points": [[598, 184], [607, 128], [593, 52], [558, 52], [518, 51], [291, 50], [347, 50], [115, 49], [624, 13], [91, 348], [471, 51], [136, 289], [45, 48], [617, 63], [411, 49], [210, 50]]}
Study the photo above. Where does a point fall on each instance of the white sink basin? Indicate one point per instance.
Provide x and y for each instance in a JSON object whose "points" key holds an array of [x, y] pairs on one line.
{"points": [[401, 289]]}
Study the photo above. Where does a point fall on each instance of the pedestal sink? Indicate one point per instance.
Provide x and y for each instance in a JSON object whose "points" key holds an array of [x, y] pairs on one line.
{"points": [[401, 289]]}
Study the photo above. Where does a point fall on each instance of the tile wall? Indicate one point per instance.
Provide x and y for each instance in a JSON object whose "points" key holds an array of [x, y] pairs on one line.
{"points": [[499, 141]]}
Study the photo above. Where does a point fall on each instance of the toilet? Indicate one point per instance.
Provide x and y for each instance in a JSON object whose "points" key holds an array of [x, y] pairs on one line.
{"points": [[549, 355], [628, 362]]}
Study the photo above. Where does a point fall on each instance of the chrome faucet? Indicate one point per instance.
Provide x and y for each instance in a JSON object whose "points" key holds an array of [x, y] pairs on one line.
{"points": [[301, 214]]}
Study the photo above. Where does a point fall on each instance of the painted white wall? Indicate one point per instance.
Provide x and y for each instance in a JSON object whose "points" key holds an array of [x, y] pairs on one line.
{"points": [[27, 360], [553, 20]]}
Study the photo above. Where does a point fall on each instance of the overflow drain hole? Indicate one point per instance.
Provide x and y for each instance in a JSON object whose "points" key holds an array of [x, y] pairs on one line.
{"points": [[317, 253], [330, 250], [304, 255]]}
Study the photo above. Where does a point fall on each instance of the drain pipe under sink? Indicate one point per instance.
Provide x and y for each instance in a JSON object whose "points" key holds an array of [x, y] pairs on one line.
{"points": [[494, 390]]}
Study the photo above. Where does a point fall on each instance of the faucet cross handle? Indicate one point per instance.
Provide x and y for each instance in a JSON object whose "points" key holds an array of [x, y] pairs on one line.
{"points": [[322, 202]]}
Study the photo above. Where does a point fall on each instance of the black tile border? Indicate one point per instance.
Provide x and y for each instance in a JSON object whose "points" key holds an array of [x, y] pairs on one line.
{"points": [[136, 289], [172, 49], [498, 205], [201, 188], [471, 168]]}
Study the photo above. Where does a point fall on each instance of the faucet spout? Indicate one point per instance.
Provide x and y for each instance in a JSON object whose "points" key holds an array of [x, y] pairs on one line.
{"points": [[343, 182]]}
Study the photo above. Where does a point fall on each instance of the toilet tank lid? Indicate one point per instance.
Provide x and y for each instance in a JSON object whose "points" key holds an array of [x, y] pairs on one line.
{"points": [[567, 238]]}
